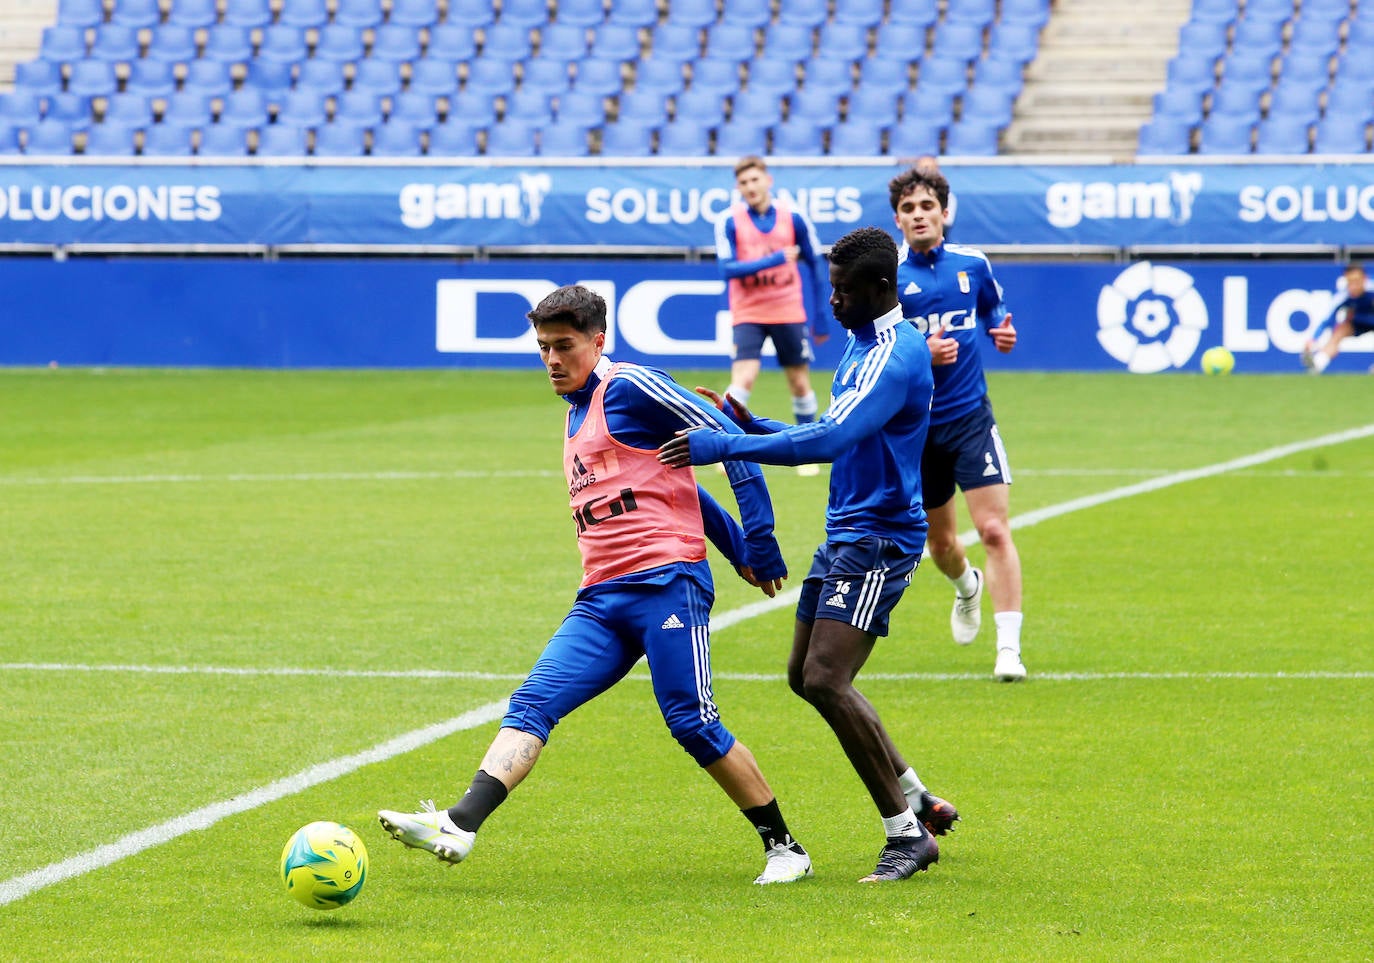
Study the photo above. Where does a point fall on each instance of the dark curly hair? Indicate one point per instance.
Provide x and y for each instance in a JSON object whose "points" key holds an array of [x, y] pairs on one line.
{"points": [[574, 305], [908, 181], [869, 249]]}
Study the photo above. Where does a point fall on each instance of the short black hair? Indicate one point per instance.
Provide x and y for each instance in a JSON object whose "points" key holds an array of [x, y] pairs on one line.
{"points": [[908, 181], [870, 250], [574, 305]]}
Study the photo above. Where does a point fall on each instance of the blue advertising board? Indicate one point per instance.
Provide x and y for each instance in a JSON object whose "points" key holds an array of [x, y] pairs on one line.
{"points": [[670, 207], [1146, 317]]}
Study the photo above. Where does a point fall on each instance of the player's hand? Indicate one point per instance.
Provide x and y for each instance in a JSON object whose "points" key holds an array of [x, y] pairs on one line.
{"points": [[943, 350], [1004, 336], [769, 587], [791, 253], [676, 452], [735, 410]]}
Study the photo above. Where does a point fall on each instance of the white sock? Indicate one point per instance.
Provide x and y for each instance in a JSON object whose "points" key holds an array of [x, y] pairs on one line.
{"points": [[911, 784], [804, 409], [1008, 630], [739, 394], [1320, 360], [903, 824], [967, 582]]}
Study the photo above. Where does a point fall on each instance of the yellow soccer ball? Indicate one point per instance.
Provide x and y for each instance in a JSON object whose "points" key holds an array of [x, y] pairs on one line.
{"points": [[323, 865], [1218, 361]]}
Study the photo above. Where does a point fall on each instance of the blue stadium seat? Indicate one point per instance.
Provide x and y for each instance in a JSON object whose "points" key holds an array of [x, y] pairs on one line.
{"points": [[730, 41], [684, 138], [470, 14], [736, 138], [1350, 103], [716, 76], [1257, 36], [1198, 75], [1006, 74], [131, 110], [615, 41], [864, 13], [929, 104], [1296, 101], [1360, 38], [114, 42], [245, 107], [749, 13], [894, 75], [416, 109], [945, 76], [1314, 37], [552, 75], [305, 14], [1355, 69], [80, 13], [434, 76], [1283, 134], [692, 13], [822, 72], [109, 140], [914, 137], [1242, 70], [626, 139], [381, 77], [774, 77], [564, 41], [151, 78], [580, 110], [171, 43], [282, 44], [955, 40], [798, 138], [228, 44], [193, 13], [1335, 136], [808, 13], [136, 13], [361, 107], [303, 107], [72, 109], [325, 76], [9, 139], [1236, 103], [471, 108], [62, 44], [1012, 40], [507, 42], [358, 13], [277, 140], [704, 107], [414, 13], [988, 106], [675, 42], [597, 76], [635, 13], [397, 139], [559, 140], [903, 42], [659, 76], [645, 108], [525, 13], [977, 12], [1037, 12], [511, 139], [874, 105], [1179, 104], [37, 77], [792, 42], [49, 137], [340, 43], [856, 139], [272, 78], [453, 139], [1216, 11], [449, 41], [168, 140], [20, 109], [1326, 9], [1165, 135], [211, 77], [187, 108], [492, 77], [1225, 134], [223, 140], [762, 107], [972, 138], [1269, 11], [1311, 72], [818, 106], [92, 78], [246, 13], [340, 140], [396, 42], [842, 41], [583, 13], [532, 107]]}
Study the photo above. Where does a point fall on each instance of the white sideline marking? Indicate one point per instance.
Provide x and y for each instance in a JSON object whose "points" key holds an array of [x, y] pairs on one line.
{"points": [[136, 842], [284, 477], [205, 817]]}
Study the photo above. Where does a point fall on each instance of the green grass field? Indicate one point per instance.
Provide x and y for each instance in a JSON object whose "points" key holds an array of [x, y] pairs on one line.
{"points": [[212, 582]]}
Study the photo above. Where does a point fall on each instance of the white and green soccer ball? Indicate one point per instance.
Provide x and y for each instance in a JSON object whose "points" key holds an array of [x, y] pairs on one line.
{"points": [[324, 865]]}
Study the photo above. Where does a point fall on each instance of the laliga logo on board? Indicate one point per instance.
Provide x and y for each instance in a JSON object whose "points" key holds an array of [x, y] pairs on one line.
{"points": [[1151, 318]]}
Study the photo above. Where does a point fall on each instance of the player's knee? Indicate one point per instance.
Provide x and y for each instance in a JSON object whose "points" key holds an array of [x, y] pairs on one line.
{"points": [[705, 742], [529, 719], [822, 688], [995, 535]]}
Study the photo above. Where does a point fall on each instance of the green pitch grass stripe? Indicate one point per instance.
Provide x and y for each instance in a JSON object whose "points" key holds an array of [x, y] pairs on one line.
{"points": [[137, 842], [272, 478]]}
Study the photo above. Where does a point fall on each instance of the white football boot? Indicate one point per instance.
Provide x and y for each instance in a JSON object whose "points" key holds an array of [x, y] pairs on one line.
{"points": [[967, 614], [787, 863], [429, 830], [1008, 667]]}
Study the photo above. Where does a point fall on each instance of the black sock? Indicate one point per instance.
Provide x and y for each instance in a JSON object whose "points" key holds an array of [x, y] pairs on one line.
{"points": [[772, 828], [479, 802]]}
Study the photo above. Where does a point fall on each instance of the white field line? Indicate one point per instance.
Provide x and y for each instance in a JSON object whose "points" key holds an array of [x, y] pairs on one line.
{"points": [[136, 842]]}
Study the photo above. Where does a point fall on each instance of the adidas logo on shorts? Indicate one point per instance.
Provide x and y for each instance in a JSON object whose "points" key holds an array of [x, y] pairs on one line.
{"points": [[836, 601], [672, 622]]}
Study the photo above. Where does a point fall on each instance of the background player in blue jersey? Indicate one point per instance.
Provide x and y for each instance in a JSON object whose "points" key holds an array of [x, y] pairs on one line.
{"points": [[771, 259], [949, 293], [874, 529], [646, 591], [1353, 316]]}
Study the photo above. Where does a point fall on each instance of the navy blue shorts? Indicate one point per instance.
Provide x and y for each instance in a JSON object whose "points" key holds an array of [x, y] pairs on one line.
{"points": [[966, 452], [664, 618], [789, 341], [856, 582]]}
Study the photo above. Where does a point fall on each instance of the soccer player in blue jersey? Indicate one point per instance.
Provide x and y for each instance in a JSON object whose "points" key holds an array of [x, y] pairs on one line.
{"points": [[874, 528], [949, 293], [771, 259], [646, 590], [1353, 316]]}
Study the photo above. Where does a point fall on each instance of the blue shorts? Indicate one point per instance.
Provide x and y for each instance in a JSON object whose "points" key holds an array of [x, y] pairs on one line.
{"points": [[966, 452], [789, 341], [856, 582], [663, 615]]}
